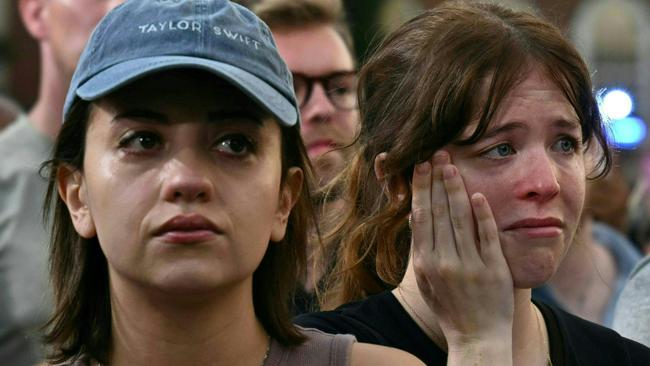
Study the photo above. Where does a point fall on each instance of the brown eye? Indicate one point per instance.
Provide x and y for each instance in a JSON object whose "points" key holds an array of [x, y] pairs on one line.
{"points": [[238, 145], [141, 141]]}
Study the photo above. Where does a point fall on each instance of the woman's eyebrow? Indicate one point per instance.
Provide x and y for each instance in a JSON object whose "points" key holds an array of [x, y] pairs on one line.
{"points": [[506, 127], [235, 114], [569, 124], [144, 115]]}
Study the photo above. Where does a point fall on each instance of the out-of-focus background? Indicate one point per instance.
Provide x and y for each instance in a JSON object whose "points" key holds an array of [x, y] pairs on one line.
{"points": [[613, 36]]}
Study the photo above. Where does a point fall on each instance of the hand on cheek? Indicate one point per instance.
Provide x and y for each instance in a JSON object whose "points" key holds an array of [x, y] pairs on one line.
{"points": [[460, 268]]}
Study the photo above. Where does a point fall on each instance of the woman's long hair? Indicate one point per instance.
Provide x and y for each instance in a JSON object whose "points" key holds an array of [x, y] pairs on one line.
{"points": [[419, 91]]}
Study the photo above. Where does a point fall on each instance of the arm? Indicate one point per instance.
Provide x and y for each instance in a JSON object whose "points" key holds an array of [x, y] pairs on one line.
{"points": [[364, 354], [460, 269]]}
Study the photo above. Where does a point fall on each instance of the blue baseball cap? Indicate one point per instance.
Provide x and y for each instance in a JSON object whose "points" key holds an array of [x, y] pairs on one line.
{"points": [[141, 37]]}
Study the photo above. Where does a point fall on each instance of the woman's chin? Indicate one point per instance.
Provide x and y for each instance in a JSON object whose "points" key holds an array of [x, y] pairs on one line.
{"points": [[527, 278]]}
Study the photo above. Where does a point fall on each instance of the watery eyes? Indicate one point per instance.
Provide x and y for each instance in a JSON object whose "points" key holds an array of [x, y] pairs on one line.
{"points": [[566, 145], [143, 142], [140, 141], [238, 145], [499, 151]]}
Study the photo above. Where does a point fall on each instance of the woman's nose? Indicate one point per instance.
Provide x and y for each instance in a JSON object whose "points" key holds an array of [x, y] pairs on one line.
{"points": [[186, 180], [538, 178]]}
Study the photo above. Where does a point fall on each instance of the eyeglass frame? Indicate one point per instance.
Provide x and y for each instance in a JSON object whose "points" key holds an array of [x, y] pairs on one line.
{"points": [[323, 80]]}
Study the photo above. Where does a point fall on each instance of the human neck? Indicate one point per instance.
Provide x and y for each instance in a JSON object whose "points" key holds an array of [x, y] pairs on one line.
{"points": [[154, 328], [46, 113], [584, 280], [529, 340]]}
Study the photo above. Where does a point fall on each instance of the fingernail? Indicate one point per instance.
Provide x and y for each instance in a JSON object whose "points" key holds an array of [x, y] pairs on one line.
{"points": [[441, 157], [448, 171], [478, 199], [423, 168]]}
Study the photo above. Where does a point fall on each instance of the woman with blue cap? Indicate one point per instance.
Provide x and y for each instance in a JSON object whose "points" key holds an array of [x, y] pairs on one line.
{"points": [[180, 191]]}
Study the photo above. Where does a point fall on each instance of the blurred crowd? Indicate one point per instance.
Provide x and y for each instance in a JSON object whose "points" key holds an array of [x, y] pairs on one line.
{"points": [[386, 132]]}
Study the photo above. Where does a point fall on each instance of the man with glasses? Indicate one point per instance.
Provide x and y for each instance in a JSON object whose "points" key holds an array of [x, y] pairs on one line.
{"points": [[315, 42]]}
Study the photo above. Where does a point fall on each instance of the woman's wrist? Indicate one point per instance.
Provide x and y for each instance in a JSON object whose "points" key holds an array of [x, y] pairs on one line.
{"points": [[494, 350]]}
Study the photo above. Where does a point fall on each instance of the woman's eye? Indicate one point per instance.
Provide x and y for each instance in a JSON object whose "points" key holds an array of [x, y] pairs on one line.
{"points": [[499, 152], [238, 145], [141, 141], [566, 145]]}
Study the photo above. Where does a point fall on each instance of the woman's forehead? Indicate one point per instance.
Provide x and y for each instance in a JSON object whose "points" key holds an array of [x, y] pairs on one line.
{"points": [[169, 94]]}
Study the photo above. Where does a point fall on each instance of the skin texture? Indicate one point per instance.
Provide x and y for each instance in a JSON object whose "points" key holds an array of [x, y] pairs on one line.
{"points": [[182, 144], [318, 51], [533, 168], [468, 282], [153, 156]]}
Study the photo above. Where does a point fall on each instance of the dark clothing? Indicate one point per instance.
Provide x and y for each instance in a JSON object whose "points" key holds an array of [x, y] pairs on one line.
{"points": [[380, 319]]}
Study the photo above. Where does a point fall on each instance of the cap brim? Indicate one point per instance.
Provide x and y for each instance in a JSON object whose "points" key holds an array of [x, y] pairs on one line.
{"points": [[257, 89]]}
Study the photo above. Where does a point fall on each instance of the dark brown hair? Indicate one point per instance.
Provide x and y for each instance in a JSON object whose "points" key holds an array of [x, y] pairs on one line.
{"points": [[81, 322], [418, 92], [297, 14]]}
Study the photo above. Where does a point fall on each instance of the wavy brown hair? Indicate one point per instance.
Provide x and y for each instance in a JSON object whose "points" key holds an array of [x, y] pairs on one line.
{"points": [[418, 92], [81, 321]]}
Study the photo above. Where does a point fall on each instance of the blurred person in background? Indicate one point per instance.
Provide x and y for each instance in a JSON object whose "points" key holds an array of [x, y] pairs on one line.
{"points": [[591, 277], [632, 316], [315, 42], [61, 28], [9, 111], [639, 208]]}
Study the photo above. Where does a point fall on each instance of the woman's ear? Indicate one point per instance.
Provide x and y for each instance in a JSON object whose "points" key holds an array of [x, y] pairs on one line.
{"points": [[32, 14], [398, 182], [289, 194], [72, 190]]}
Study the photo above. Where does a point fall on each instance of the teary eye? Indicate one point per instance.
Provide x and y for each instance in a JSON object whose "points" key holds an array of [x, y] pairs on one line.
{"points": [[235, 144], [140, 141], [500, 151]]}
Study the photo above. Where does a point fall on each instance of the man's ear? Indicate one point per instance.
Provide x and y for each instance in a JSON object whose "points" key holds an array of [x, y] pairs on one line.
{"points": [[289, 194], [72, 190], [398, 182], [31, 12]]}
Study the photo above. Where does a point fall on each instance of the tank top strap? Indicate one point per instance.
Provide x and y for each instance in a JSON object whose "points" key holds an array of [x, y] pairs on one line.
{"points": [[320, 349]]}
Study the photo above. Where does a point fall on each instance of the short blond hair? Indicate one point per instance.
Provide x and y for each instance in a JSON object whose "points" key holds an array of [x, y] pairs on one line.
{"points": [[297, 14]]}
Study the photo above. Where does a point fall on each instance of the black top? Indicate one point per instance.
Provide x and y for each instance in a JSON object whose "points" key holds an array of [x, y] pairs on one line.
{"points": [[380, 319]]}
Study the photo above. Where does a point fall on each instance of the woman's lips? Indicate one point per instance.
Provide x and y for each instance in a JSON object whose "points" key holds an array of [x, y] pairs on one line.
{"points": [[320, 147], [187, 229], [537, 227], [188, 237]]}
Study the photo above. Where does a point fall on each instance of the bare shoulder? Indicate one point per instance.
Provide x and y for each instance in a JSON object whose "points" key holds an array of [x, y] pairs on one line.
{"points": [[364, 354]]}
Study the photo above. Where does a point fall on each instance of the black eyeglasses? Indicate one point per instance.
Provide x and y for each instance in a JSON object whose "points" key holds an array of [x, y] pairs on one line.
{"points": [[340, 88]]}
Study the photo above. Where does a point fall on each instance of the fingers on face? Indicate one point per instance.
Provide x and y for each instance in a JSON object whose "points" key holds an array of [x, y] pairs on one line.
{"points": [[422, 229], [460, 213], [445, 245], [488, 234]]}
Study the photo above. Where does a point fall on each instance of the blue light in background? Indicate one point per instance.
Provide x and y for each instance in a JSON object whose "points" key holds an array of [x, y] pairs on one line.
{"points": [[627, 133], [616, 104]]}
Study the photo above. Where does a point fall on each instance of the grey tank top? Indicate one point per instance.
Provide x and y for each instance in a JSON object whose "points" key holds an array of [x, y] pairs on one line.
{"points": [[320, 349]]}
